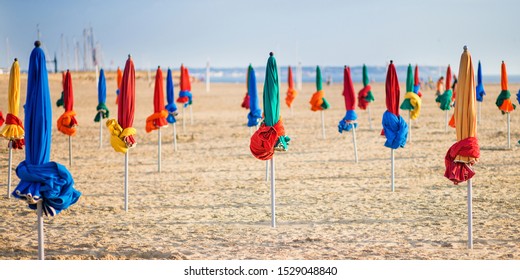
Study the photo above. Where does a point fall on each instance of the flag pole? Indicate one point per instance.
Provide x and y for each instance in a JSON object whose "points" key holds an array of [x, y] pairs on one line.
{"points": [[273, 197], [70, 150], [126, 181], [100, 130], [159, 150], [39, 212], [392, 168], [355, 144], [470, 216], [175, 137], [9, 166], [323, 124]]}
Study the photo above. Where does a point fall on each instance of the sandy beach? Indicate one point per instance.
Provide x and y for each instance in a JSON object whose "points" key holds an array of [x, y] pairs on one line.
{"points": [[211, 200]]}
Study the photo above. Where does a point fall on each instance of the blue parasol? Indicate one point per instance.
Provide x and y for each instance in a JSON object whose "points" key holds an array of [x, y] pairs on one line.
{"points": [[41, 179], [255, 113], [480, 86], [171, 107]]}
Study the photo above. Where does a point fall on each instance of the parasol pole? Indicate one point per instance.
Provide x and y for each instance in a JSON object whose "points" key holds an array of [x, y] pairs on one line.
{"points": [[410, 126], [392, 168], [191, 116], [70, 150], [9, 166], [323, 124], [159, 150], [250, 131], [266, 170], [446, 121], [273, 197], [508, 130], [369, 118], [355, 144], [478, 115], [100, 130], [126, 181], [470, 216], [39, 212], [175, 137], [291, 111], [183, 119]]}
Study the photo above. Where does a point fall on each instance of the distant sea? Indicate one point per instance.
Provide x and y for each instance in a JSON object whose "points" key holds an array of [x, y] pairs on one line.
{"points": [[334, 74]]}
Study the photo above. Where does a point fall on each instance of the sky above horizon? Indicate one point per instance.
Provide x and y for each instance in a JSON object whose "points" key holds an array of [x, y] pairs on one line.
{"points": [[234, 33]]}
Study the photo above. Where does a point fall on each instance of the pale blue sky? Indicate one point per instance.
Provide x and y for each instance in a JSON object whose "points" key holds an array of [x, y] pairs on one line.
{"points": [[236, 33]]}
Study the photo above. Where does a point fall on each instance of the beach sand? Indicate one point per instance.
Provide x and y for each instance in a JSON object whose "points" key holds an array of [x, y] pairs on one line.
{"points": [[211, 200]]}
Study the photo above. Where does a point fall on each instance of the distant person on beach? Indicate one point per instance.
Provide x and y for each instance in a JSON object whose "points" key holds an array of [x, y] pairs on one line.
{"points": [[453, 88], [440, 86], [430, 83]]}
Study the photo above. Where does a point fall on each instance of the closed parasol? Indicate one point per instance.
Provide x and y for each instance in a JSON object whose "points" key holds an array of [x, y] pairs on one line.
{"points": [[158, 118], [365, 96], [171, 107], [121, 130], [348, 123], [46, 186], [13, 130], [465, 152], [395, 128], [271, 134]]}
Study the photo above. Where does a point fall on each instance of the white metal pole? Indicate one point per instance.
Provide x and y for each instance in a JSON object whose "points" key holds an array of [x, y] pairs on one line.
{"points": [[369, 118], [191, 115], [266, 170], [355, 144], [70, 150], [508, 131], [470, 216], [175, 137], [446, 120], [273, 196], [409, 126], [323, 124], [126, 181], [478, 115], [392, 168], [39, 212], [291, 111], [100, 130], [9, 166], [183, 119], [250, 131], [159, 150]]}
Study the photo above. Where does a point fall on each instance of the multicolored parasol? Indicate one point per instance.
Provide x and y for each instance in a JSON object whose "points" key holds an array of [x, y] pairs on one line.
{"points": [[348, 122], [395, 128], [318, 101], [271, 134], [465, 152], [13, 130]]}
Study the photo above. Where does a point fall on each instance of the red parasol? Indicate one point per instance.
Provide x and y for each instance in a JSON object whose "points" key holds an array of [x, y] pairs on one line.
{"points": [[67, 122], [126, 104], [158, 118]]}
